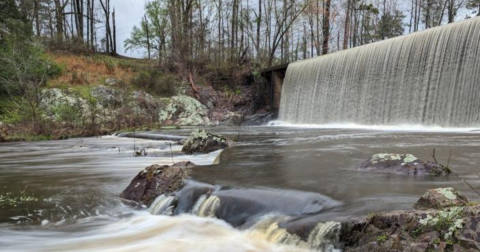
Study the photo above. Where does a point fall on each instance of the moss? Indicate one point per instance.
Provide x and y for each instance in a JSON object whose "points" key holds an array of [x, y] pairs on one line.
{"points": [[382, 238], [447, 192]]}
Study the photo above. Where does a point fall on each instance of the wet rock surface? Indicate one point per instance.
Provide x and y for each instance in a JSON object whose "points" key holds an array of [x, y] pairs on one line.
{"points": [[156, 180], [258, 119], [227, 118], [449, 224], [402, 163], [201, 141]]}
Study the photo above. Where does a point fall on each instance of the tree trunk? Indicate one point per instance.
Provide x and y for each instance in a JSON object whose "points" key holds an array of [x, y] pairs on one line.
{"points": [[36, 6], [326, 26], [259, 24], [114, 34], [346, 33]]}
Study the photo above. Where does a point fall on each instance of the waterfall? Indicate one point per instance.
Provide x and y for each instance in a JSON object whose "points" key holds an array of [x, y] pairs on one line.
{"points": [[311, 234], [163, 205], [206, 206], [430, 77]]}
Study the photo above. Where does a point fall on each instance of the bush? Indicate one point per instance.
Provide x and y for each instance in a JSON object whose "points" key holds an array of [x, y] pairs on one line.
{"points": [[25, 67], [158, 83]]}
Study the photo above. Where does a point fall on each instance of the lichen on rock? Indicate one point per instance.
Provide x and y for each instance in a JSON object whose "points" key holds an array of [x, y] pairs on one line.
{"points": [[402, 163], [439, 227], [440, 198], [185, 111], [201, 141]]}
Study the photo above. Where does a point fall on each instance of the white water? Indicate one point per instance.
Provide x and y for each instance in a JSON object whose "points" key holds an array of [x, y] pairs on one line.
{"points": [[145, 232], [426, 78], [398, 128]]}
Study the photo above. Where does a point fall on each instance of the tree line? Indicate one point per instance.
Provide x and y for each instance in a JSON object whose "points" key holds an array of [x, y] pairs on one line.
{"points": [[264, 32], [269, 32]]}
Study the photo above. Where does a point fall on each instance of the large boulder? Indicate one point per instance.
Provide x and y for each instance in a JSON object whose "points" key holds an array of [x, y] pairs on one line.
{"points": [[185, 111], [402, 163], [107, 97], [201, 141], [156, 180], [64, 105]]}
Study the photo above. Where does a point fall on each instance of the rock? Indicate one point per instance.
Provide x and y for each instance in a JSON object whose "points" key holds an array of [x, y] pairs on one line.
{"points": [[439, 227], [107, 97], [441, 198], [469, 236], [258, 119], [156, 180], [228, 119], [60, 105], [201, 141], [402, 163], [185, 111], [111, 81]]}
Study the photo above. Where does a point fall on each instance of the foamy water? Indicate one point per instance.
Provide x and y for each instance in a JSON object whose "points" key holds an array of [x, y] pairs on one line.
{"points": [[145, 232], [400, 127]]}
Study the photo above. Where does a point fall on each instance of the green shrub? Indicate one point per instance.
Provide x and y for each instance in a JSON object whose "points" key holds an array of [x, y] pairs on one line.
{"points": [[68, 113]]}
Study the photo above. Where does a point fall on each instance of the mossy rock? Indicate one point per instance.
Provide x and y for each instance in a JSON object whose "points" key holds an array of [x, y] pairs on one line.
{"points": [[201, 141], [185, 111]]}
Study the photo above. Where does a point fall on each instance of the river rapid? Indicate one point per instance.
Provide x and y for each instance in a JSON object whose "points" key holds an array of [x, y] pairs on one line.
{"points": [[63, 195]]}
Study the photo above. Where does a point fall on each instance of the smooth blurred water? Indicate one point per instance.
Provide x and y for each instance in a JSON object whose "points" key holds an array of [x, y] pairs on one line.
{"points": [[77, 183], [429, 77]]}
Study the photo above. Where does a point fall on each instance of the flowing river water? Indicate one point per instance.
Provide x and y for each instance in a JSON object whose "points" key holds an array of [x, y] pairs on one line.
{"points": [[69, 189]]}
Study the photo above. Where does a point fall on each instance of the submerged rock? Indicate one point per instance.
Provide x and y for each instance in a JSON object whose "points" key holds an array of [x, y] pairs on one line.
{"points": [[185, 111], [156, 180], [403, 163], [201, 141]]}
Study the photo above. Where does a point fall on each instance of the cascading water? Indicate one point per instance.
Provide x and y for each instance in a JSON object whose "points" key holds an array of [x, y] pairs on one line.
{"points": [[430, 77], [244, 208]]}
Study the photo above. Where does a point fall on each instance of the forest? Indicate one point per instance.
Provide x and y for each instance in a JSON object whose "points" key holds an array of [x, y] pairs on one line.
{"points": [[264, 32]]}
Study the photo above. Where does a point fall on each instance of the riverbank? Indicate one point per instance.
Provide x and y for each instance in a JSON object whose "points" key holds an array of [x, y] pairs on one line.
{"points": [[96, 94]]}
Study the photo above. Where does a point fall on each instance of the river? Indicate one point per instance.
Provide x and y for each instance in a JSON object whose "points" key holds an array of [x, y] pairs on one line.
{"points": [[63, 195]]}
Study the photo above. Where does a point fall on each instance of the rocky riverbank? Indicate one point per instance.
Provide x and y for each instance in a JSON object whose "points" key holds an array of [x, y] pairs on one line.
{"points": [[108, 108]]}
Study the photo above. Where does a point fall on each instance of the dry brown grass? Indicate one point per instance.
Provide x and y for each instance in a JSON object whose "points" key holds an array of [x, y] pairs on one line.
{"points": [[84, 70]]}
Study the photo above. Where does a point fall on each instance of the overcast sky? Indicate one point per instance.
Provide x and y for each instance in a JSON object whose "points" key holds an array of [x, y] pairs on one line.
{"points": [[128, 14]]}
